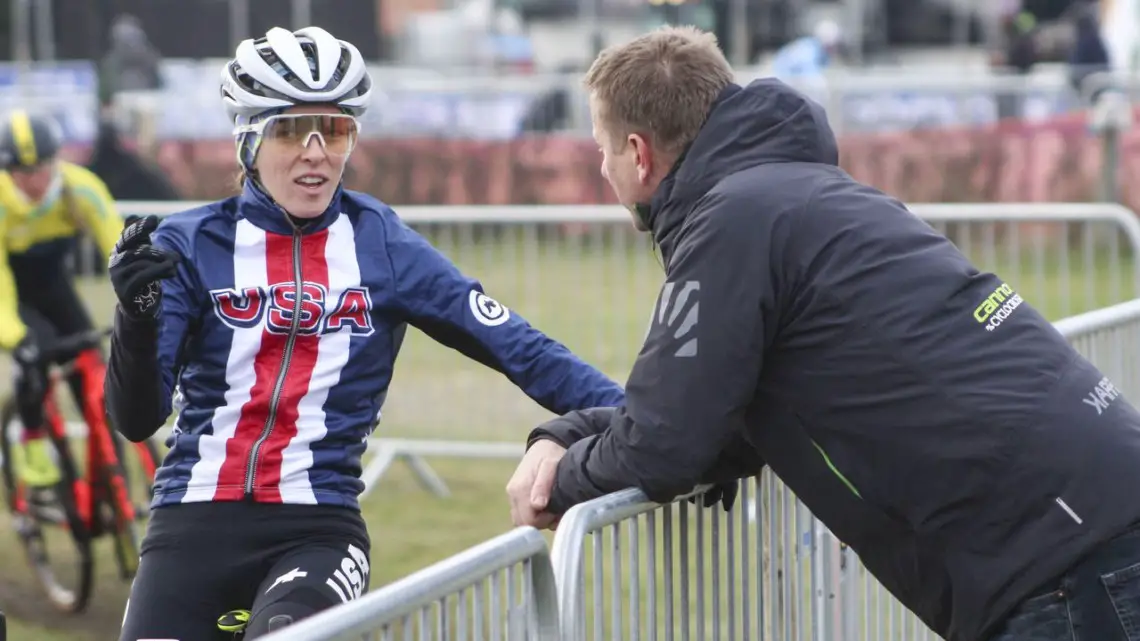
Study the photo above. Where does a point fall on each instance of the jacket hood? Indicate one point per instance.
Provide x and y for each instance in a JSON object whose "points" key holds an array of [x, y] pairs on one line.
{"points": [[764, 122]]}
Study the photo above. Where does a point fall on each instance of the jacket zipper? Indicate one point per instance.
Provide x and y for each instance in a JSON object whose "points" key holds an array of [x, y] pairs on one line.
{"points": [[286, 357]]}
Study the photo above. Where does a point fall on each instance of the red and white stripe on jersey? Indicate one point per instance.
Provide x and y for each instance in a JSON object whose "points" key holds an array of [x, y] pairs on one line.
{"points": [[261, 261]]}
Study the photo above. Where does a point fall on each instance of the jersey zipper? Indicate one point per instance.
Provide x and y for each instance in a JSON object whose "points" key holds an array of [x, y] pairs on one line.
{"points": [[286, 357]]}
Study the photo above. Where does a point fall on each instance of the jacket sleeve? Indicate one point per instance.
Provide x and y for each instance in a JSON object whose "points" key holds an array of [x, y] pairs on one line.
{"points": [[146, 354], [12, 328], [570, 428], [99, 215], [696, 374], [454, 310]]}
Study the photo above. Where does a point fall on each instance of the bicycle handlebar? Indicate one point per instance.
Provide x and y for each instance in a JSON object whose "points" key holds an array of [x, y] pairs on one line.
{"points": [[73, 343]]}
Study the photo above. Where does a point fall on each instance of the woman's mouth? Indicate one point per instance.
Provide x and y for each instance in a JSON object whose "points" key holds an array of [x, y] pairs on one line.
{"points": [[311, 183]]}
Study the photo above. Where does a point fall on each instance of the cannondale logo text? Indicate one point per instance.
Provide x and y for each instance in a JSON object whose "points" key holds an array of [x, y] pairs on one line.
{"points": [[997, 307]]}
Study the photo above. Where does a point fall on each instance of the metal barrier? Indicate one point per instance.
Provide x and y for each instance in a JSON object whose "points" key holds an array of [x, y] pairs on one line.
{"points": [[1110, 337], [773, 572], [586, 278], [1064, 258], [886, 101], [693, 573], [502, 589]]}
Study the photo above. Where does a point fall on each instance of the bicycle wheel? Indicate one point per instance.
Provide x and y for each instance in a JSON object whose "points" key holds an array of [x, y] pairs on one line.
{"points": [[55, 539]]}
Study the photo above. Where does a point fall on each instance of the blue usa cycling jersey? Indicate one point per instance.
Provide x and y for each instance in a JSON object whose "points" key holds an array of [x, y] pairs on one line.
{"points": [[282, 344]]}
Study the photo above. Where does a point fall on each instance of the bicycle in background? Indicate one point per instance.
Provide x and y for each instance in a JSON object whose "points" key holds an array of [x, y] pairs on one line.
{"points": [[92, 499]]}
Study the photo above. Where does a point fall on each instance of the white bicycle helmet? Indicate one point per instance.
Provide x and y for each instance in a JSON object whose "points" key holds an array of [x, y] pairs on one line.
{"points": [[290, 68]]}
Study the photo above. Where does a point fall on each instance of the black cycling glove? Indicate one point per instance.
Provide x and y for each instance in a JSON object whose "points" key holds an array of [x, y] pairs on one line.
{"points": [[724, 493], [136, 267]]}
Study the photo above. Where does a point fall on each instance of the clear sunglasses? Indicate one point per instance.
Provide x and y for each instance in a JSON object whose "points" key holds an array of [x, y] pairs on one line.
{"points": [[337, 133]]}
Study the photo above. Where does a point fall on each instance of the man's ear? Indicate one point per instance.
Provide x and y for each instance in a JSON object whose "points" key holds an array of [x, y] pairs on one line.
{"points": [[644, 153]]}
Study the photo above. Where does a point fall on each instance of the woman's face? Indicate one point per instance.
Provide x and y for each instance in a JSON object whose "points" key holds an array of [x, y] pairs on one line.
{"points": [[302, 157]]}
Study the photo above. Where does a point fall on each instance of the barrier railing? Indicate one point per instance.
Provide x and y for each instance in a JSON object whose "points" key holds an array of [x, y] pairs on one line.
{"points": [[1110, 337], [585, 277], [502, 589], [1055, 253], [690, 573], [627, 568]]}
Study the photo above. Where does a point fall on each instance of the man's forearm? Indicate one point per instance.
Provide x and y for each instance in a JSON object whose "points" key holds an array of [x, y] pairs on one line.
{"points": [[573, 427], [572, 483], [134, 386]]}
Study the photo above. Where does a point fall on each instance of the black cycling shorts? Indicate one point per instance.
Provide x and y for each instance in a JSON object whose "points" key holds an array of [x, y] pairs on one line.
{"points": [[280, 562]]}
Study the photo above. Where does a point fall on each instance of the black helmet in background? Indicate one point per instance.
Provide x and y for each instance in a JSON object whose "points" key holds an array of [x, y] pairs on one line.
{"points": [[28, 140]]}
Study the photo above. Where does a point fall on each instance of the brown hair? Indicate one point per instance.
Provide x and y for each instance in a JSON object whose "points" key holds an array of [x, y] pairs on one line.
{"points": [[661, 85], [239, 179]]}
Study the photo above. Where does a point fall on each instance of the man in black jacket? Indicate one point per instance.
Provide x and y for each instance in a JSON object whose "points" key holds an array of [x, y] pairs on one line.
{"points": [[983, 470]]}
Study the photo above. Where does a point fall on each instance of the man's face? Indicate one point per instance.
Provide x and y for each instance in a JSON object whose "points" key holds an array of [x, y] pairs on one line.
{"points": [[34, 181], [626, 164]]}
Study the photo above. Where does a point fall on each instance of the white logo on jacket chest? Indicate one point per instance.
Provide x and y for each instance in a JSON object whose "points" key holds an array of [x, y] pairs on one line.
{"points": [[277, 305]]}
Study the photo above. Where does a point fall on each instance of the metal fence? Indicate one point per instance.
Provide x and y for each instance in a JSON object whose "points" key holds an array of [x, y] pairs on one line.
{"points": [[1110, 338], [502, 589], [586, 278], [627, 568]]}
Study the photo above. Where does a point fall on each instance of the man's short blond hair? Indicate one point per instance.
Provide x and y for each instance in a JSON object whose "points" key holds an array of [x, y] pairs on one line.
{"points": [[660, 85]]}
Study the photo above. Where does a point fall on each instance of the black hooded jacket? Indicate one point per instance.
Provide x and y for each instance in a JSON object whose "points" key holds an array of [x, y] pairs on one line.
{"points": [[931, 418]]}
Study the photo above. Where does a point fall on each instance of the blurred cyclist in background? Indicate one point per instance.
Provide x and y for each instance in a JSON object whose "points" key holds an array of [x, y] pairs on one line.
{"points": [[45, 203], [278, 314]]}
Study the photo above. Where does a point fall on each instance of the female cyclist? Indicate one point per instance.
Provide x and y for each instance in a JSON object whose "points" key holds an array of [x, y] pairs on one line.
{"points": [[278, 314]]}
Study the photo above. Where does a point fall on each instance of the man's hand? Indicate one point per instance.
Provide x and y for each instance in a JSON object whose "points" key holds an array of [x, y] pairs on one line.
{"points": [[530, 486], [723, 493], [136, 267]]}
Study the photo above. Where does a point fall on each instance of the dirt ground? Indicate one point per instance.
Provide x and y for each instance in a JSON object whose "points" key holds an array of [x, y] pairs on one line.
{"points": [[23, 601], [415, 528]]}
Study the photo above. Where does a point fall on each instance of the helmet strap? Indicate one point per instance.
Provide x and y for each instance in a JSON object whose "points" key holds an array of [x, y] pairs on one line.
{"points": [[247, 146], [248, 143]]}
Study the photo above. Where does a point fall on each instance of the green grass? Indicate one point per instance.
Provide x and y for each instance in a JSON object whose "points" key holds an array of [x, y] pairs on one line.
{"points": [[594, 292], [20, 631]]}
